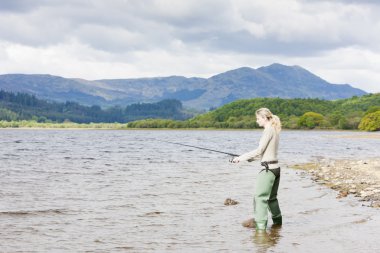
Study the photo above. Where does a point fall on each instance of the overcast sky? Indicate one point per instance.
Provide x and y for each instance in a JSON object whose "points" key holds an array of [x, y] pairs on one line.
{"points": [[96, 39]]}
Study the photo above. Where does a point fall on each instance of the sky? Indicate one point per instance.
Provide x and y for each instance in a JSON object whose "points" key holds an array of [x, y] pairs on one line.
{"points": [[338, 40]]}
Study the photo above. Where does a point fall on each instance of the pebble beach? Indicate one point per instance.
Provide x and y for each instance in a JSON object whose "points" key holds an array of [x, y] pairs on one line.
{"points": [[360, 178]]}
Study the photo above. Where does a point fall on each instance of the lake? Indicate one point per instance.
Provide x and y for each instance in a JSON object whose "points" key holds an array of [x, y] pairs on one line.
{"points": [[127, 191]]}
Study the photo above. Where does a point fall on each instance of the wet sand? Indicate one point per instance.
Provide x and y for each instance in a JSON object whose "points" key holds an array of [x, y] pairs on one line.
{"points": [[360, 178]]}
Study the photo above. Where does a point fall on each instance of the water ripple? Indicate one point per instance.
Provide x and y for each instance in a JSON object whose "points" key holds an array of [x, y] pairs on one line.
{"points": [[62, 191]]}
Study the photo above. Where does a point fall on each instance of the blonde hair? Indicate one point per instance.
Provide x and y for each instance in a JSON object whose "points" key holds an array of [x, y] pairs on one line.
{"points": [[274, 119]]}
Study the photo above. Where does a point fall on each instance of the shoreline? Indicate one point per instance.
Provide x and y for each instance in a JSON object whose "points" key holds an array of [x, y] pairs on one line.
{"points": [[366, 134], [360, 178]]}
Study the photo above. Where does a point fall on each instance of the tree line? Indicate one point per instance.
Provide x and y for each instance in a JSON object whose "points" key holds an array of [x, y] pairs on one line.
{"points": [[20, 109], [22, 106], [353, 113]]}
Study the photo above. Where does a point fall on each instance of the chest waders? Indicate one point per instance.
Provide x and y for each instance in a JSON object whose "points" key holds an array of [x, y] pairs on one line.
{"points": [[266, 196]]}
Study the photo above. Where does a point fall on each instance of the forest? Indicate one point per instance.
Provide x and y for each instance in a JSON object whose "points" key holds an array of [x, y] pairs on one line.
{"points": [[24, 110], [354, 113], [22, 106]]}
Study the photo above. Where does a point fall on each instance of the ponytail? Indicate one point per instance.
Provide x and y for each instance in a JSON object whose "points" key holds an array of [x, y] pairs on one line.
{"points": [[276, 123]]}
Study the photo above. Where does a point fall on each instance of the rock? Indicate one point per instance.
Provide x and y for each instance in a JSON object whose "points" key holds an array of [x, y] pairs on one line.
{"points": [[324, 169], [364, 194], [249, 223], [342, 194], [153, 213], [230, 202]]}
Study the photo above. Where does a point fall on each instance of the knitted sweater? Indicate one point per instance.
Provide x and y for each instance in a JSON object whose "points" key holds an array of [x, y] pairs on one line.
{"points": [[267, 150]]}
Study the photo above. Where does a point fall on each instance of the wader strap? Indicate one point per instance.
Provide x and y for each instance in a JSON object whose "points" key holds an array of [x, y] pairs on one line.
{"points": [[276, 171]]}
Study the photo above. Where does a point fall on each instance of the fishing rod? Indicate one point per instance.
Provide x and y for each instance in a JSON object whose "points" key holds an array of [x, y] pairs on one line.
{"points": [[213, 150]]}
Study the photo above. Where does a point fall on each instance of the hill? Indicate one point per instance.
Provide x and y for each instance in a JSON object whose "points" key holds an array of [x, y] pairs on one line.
{"points": [[294, 113], [22, 106], [275, 80]]}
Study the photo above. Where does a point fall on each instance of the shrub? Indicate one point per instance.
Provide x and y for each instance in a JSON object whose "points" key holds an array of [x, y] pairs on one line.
{"points": [[310, 120], [370, 122]]}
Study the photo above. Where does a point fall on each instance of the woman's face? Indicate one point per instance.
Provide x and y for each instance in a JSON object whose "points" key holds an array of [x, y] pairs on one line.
{"points": [[261, 120]]}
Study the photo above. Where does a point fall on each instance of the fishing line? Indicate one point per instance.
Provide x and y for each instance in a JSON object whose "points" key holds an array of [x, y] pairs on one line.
{"points": [[213, 150]]}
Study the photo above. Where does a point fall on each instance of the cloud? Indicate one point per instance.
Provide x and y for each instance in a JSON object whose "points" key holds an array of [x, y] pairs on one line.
{"points": [[129, 38], [19, 5], [285, 27]]}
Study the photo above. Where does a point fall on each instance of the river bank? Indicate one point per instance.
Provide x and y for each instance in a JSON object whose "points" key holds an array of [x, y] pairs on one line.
{"points": [[360, 178]]}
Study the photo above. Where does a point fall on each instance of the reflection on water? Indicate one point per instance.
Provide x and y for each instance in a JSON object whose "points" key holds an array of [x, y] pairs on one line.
{"points": [[126, 191], [264, 241]]}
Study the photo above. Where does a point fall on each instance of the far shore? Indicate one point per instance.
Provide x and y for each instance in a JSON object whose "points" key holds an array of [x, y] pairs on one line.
{"points": [[119, 126]]}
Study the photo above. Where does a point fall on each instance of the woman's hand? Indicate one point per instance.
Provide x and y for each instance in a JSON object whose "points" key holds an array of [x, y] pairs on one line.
{"points": [[235, 159]]}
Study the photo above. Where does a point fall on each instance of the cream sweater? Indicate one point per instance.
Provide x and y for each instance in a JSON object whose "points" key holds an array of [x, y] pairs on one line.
{"points": [[267, 149]]}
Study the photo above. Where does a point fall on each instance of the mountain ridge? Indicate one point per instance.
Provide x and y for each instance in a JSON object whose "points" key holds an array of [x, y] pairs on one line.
{"points": [[275, 80]]}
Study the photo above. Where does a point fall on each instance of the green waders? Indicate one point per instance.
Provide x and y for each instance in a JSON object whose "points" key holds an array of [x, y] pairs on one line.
{"points": [[266, 198]]}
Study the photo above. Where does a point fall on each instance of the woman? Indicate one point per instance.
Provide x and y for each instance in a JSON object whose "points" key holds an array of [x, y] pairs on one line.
{"points": [[269, 177]]}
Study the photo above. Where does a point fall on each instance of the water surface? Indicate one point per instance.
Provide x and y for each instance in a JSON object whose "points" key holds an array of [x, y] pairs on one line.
{"points": [[126, 191]]}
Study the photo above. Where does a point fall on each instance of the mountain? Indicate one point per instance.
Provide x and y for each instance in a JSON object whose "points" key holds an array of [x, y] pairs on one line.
{"points": [[275, 80]]}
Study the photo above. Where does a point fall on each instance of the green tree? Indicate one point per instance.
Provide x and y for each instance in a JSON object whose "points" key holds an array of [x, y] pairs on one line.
{"points": [[372, 109], [343, 123], [370, 122], [310, 120], [7, 115], [335, 117]]}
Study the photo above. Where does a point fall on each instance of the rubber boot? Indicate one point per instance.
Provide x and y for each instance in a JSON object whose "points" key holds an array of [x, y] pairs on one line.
{"points": [[273, 205], [277, 221], [261, 226]]}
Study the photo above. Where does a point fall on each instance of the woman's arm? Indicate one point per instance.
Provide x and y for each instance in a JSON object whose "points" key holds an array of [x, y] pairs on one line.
{"points": [[258, 152]]}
